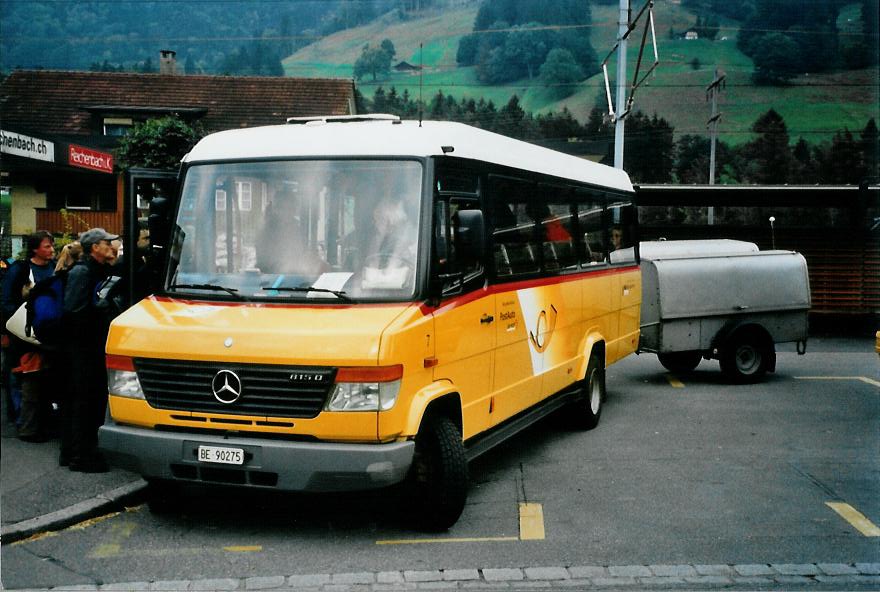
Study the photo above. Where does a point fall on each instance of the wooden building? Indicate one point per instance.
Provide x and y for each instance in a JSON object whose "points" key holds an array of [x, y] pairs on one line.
{"points": [[60, 129]]}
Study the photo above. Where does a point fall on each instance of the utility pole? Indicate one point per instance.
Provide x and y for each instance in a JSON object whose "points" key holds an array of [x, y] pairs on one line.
{"points": [[624, 103], [712, 92], [622, 33]]}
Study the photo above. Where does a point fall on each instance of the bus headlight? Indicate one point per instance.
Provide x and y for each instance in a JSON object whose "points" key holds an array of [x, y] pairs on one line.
{"points": [[124, 384], [365, 389], [122, 379], [363, 396]]}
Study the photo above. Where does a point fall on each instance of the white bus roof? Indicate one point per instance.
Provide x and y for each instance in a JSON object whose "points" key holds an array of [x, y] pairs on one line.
{"points": [[387, 137]]}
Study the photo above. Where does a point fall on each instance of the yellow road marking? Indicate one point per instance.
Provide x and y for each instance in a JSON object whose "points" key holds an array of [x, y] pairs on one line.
{"points": [[531, 522], [106, 550], [864, 379], [244, 548], [92, 521], [674, 382], [35, 537], [53, 533], [453, 540], [531, 528], [118, 534], [855, 518]]}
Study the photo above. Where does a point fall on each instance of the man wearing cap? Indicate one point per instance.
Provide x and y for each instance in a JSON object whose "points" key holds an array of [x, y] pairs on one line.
{"points": [[86, 328]]}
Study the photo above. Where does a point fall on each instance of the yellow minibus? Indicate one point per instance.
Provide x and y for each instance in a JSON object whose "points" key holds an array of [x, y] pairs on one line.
{"points": [[357, 302]]}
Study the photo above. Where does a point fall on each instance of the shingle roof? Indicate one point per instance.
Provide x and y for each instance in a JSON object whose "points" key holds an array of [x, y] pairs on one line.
{"points": [[56, 102]]}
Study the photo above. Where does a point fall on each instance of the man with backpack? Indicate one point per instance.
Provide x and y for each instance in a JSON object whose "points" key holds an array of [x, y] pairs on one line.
{"points": [[27, 362], [86, 325]]}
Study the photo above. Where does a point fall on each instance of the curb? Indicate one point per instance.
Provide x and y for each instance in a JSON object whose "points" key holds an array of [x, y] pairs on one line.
{"points": [[78, 512], [764, 576]]}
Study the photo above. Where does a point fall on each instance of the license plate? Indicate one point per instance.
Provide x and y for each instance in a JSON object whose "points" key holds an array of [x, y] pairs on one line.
{"points": [[218, 454]]}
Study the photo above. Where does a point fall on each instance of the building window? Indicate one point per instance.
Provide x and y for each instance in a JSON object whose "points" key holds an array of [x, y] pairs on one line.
{"points": [[117, 126], [245, 196], [220, 200]]}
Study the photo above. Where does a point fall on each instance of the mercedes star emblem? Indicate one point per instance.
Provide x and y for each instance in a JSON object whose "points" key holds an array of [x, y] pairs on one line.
{"points": [[226, 387]]}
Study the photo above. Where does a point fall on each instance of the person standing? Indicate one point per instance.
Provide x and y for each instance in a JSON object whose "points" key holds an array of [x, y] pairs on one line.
{"points": [[28, 363], [86, 328]]}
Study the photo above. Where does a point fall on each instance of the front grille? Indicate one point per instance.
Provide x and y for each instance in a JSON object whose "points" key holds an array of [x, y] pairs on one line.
{"points": [[266, 390]]}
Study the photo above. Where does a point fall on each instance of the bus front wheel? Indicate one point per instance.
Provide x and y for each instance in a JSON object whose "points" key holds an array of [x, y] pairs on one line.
{"points": [[438, 478]]}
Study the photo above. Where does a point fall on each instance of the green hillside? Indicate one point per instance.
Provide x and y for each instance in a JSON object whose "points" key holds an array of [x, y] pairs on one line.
{"points": [[814, 106]]}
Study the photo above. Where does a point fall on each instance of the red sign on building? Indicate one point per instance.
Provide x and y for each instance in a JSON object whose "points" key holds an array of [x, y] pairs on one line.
{"points": [[87, 158]]}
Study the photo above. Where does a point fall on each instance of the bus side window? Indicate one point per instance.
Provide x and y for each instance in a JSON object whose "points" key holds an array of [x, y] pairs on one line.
{"points": [[558, 234], [515, 248], [621, 233], [590, 222]]}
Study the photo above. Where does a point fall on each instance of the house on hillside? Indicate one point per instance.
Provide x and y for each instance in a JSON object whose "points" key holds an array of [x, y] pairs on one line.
{"points": [[60, 128], [691, 35], [407, 67]]}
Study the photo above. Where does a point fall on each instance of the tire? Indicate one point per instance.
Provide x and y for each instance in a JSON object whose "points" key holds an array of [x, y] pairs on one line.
{"points": [[162, 496], [437, 483], [588, 406], [680, 362], [745, 358]]}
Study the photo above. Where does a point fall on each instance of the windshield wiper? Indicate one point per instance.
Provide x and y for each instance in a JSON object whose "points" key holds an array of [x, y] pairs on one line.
{"points": [[214, 287], [338, 293]]}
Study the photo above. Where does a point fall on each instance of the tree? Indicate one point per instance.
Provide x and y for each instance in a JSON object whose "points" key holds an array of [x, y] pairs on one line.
{"points": [[388, 47], [648, 150], [776, 59], [768, 157], [692, 159], [467, 50], [527, 45], [157, 143], [374, 61], [560, 70], [810, 26], [870, 141]]}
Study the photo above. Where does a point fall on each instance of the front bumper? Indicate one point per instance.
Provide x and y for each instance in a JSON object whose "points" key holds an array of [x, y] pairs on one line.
{"points": [[276, 464]]}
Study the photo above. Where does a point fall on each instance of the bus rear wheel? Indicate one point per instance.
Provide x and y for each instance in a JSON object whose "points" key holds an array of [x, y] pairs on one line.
{"points": [[437, 483], [589, 403]]}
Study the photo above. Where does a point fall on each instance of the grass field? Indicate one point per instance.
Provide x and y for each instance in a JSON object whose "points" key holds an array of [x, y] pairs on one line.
{"points": [[814, 106]]}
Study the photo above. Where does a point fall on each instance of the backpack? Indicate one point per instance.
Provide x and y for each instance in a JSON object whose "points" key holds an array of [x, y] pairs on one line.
{"points": [[45, 307]]}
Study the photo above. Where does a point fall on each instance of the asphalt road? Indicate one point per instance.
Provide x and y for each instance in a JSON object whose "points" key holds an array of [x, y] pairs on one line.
{"points": [[681, 470]]}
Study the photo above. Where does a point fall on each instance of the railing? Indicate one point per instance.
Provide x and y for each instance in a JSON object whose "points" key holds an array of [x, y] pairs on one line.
{"points": [[79, 220], [843, 263]]}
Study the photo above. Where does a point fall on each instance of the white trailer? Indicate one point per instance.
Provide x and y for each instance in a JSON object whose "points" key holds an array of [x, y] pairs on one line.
{"points": [[724, 300]]}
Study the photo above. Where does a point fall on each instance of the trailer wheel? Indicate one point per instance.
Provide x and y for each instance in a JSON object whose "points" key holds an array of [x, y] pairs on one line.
{"points": [[589, 404], [746, 357], [680, 362], [437, 483]]}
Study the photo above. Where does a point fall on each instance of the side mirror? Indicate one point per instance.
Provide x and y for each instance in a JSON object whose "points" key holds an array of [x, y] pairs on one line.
{"points": [[158, 222], [469, 234]]}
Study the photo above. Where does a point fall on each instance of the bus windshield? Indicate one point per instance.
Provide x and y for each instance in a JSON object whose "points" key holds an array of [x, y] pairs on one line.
{"points": [[323, 230]]}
